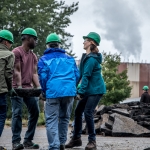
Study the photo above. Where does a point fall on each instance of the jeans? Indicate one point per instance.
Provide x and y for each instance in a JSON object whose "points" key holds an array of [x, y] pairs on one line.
{"points": [[86, 105], [57, 114], [3, 110], [32, 104], [82, 115], [73, 120]]}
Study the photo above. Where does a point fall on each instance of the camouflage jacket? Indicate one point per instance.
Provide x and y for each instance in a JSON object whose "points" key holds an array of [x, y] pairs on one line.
{"points": [[6, 68]]}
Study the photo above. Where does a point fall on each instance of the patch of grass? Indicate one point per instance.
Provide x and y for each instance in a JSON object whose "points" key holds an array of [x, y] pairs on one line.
{"points": [[8, 122], [41, 121]]}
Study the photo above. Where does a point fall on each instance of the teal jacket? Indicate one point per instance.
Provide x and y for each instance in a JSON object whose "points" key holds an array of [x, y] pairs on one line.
{"points": [[92, 82]]}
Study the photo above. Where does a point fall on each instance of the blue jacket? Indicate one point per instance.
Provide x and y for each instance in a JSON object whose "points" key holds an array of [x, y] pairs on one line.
{"points": [[58, 73]]}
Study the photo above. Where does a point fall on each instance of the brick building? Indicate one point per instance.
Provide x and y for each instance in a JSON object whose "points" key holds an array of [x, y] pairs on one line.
{"points": [[138, 75]]}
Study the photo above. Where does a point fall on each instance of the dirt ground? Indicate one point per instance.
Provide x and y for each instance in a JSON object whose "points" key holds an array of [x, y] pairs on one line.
{"points": [[103, 143]]}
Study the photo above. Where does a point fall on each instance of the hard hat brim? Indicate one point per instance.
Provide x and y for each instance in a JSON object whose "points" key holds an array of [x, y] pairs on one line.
{"points": [[86, 37]]}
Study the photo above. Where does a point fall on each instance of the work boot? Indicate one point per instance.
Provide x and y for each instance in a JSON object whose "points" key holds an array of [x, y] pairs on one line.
{"points": [[17, 146], [91, 145], [147, 148], [74, 143], [30, 145], [62, 147], [2, 148]]}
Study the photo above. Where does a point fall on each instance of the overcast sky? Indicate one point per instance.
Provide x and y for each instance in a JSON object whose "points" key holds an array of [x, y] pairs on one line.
{"points": [[124, 27]]}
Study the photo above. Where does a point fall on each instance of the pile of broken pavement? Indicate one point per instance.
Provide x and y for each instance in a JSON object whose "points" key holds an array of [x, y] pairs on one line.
{"points": [[122, 120]]}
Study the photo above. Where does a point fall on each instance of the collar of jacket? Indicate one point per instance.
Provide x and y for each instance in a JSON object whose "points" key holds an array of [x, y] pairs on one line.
{"points": [[51, 50], [95, 55], [3, 47]]}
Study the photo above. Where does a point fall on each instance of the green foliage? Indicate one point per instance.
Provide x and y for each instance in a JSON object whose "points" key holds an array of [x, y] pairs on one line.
{"points": [[44, 16], [117, 84], [70, 52], [41, 120], [9, 110], [73, 109]]}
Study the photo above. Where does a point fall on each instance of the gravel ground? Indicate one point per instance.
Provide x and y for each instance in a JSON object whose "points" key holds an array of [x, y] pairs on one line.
{"points": [[103, 143]]}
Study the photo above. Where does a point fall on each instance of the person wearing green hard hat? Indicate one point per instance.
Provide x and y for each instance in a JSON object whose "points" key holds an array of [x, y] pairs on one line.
{"points": [[7, 37], [53, 38], [58, 76], [90, 92], [145, 97], [29, 34], [25, 76], [94, 37], [6, 73]]}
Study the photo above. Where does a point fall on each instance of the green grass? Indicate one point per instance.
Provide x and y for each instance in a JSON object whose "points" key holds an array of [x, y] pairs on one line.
{"points": [[41, 121]]}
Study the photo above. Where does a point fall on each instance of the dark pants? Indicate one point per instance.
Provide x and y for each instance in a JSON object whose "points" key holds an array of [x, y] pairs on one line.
{"points": [[86, 105], [32, 104], [3, 110]]}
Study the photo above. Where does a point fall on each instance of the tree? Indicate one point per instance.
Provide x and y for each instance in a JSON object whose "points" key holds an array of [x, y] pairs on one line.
{"points": [[70, 52], [117, 84], [45, 17]]}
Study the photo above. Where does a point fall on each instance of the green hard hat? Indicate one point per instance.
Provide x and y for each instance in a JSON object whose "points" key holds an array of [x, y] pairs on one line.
{"points": [[145, 88], [7, 35], [29, 31], [53, 37], [94, 36]]}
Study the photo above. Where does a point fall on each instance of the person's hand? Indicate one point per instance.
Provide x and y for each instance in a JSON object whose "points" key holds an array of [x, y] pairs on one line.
{"points": [[12, 92], [39, 87], [19, 87], [79, 97], [42, 97]]}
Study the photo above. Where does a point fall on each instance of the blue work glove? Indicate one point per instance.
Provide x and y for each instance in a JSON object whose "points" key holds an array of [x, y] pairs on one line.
{"points": [[12, 92]]}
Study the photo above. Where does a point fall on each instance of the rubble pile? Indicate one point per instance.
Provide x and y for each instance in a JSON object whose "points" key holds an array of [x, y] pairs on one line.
{"points": [[122, 120]]}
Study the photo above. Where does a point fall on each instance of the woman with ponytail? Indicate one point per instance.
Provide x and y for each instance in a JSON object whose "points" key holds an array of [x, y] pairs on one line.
{"points": [[90, 92]]}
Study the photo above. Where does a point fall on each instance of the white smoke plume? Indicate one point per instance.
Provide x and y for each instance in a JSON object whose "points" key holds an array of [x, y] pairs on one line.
{"points": [[121, 24]]}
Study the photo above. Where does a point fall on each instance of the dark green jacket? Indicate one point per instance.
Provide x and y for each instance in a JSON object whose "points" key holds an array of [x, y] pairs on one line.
{"points": [[6, 68], [92, 82]]}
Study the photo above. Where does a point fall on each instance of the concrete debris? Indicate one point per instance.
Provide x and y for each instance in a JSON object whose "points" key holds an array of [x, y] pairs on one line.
{"points": [[124, 120]]}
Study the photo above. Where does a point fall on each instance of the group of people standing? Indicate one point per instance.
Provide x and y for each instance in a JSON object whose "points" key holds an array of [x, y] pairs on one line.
{"points": [[57, 75]]}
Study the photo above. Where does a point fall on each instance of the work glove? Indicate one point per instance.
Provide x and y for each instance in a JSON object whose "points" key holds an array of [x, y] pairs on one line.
{"points": [[12, 92], [79, 85], [42, 96]]}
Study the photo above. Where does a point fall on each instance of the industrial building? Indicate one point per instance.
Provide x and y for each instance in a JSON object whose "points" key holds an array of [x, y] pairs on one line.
{"points": [[138, 75]]}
